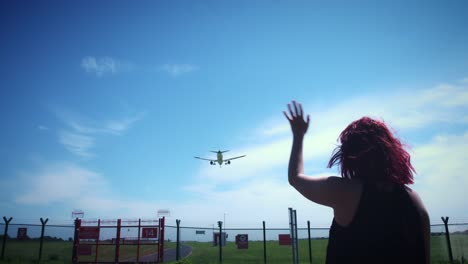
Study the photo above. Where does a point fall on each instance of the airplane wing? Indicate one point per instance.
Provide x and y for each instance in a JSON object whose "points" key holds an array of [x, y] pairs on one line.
{"points": [[205, 159], [234, 158]]}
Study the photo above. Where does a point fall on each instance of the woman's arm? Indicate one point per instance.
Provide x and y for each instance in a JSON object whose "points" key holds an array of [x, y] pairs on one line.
{"points": [[299, 128], [329, 191]]}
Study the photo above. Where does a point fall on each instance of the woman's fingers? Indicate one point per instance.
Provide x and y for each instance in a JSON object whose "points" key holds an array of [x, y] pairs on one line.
{"points": [[290, 111], [296, 112], [295, 108]]}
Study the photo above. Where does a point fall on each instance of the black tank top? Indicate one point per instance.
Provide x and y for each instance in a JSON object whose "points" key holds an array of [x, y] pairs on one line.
{"points": [[386, 228]]}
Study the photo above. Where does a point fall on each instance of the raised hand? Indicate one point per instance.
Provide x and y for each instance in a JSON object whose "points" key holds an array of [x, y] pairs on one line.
{"points": [[299, 125]]}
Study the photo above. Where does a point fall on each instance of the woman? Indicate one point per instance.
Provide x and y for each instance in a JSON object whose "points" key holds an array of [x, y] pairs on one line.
{"points": [[377, 218]]}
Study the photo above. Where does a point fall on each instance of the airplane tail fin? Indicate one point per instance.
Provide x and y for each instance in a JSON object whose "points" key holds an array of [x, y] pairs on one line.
{"points": [[222, 151]]}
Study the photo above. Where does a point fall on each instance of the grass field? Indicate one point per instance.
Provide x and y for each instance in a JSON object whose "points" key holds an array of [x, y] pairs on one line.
{"points": [[61, 252], [205, 253]]}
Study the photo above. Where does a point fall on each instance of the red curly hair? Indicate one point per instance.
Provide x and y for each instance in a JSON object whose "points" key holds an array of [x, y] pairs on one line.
{"points": [[370, 152]]}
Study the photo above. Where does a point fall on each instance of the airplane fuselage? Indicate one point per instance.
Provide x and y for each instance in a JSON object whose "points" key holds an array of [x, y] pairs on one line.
{"points": [[219, 158]]}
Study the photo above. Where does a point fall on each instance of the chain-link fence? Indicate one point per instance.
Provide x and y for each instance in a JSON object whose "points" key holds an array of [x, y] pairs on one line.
{"points": [[22, 243], [269, 245], [459, 238]]}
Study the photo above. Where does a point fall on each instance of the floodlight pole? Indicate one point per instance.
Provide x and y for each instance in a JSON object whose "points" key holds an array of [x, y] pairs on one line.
{"points": [[7, 221]]}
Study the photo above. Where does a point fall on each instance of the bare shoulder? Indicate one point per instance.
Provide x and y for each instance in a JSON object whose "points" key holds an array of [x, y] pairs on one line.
{"points": [[426, 229], [347, 202], [417, 201], [421, 209], [345, 191]]}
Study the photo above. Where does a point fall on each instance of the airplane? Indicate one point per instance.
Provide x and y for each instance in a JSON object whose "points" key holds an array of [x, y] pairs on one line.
{"points": [[220, 159]]}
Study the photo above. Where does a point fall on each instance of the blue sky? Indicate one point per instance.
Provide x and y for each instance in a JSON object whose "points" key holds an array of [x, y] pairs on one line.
{"points": [[104, 105]]}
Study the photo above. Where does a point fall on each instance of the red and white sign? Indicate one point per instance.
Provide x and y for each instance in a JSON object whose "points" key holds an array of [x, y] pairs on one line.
{"points": [[89, 232], [84, 250], [284, 239], [22, 233], [150, 232], [242, 241]]}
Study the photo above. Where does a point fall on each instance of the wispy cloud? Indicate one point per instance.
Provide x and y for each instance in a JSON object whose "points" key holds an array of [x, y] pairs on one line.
{"points": [[119, 126], [100, 66], [178, 69], [441, 181], [104, 65], [42, 128], [80, 134], [78, 187], [113, 126], [76, 143], [63, 182], [404, 110]]}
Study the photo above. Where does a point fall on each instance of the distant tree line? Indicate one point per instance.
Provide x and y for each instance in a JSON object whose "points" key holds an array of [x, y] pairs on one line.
{"points": [[27, 238], [453, 233]]}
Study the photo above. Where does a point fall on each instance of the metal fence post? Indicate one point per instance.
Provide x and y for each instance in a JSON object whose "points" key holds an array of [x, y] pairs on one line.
{"points": [[178, 240], [162, 227], [7, 221], [296, 246], [447, 235], [117, 241], [43, 222], [76, 240], [293, 231], [310, 242], [138, 245], [97, 241], [264, 244], [220, 224]]}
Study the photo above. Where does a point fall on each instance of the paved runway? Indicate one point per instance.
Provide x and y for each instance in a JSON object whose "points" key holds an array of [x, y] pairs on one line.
{"points": [[169, 254]]}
